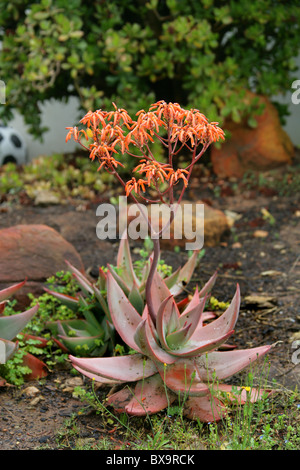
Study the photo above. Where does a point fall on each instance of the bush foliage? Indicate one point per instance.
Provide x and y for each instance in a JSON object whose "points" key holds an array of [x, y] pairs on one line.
{"points": [[199, 53]]}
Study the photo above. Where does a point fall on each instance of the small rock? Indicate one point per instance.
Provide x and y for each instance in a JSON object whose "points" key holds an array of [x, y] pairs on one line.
{"points": [[36, 400], [31, 391], [260, 301], [45, 198], [260, 234], [70, 384], [272, 272], [295, 337], [237, 245]]}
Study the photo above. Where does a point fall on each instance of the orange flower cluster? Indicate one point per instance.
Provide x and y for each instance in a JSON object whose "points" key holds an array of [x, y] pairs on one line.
{"points": [[113, 132]]}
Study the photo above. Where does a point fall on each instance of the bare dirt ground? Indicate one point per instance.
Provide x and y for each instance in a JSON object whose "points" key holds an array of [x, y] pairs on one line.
{"points": [[267, 266]]}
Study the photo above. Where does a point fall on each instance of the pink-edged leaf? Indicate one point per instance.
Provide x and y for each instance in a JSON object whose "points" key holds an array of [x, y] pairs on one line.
{"points": [[209, 285], [7, 349], [124, 316], [188, 321], [69, 301], [97, 378], [193, 315], [185, 274], [11, 325], [182, 304], [159, 291], [206, 409], [119, 279], [167, 319], [124, 262], [182, 378], [241, 395], [119, 400], [9, 291], [147, 343], [102, 279], [102, 302], [193, 302], [193, 349], [227, 363], [122, 368], [222, 325], [148, 397]]}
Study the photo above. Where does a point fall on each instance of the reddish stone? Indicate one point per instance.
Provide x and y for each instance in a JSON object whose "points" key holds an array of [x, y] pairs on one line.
{"points": [[262, 148], [33, 252]]}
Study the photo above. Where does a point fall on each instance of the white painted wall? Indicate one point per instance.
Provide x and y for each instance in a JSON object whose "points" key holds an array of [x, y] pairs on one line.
{"points": [[56, 116]]}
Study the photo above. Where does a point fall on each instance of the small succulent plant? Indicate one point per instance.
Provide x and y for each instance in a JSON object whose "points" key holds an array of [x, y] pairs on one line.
{"points": [[12, 325], [93, 334], [176, 356]]}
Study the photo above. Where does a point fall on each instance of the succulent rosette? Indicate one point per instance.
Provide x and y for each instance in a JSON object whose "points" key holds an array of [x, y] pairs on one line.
{"points": [[93, 334], [12, 325], [177, 356]]}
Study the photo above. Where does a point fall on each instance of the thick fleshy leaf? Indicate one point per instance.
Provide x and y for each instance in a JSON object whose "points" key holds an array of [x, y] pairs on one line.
{"points": [[167, 319], [102, 302], [159, 291], [9, 291], [7, 349], [81, 279], [84, 345], [193, 348], [11, 325], [69, 301], [188, 322], [136, 299], [147, 343], [206, 409], [241, 395], [122, 368], [209, 285], [124, 262], [182, 378], [119, 280], [192, 302], [227, 363], [222, 325], [124, 316], [184, 275], [97, 378], [148, 397], [193, 315]]}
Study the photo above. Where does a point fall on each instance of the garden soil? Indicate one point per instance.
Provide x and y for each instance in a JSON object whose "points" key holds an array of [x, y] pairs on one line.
{"points": [[261, 253]]}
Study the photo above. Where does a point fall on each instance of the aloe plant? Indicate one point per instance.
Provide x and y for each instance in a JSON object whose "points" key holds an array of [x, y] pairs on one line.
{"points": [[177, 355], [12, 325], [93, 334]]}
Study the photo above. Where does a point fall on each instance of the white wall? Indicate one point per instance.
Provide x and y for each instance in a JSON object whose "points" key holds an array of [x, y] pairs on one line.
{"points": [[56, 116]]}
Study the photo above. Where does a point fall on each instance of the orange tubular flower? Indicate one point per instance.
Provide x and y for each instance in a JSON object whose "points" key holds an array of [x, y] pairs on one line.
{"points": [[154, 171], [177, 175], [136, 186]]}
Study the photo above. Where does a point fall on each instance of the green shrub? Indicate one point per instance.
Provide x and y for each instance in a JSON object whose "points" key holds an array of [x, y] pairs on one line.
{"points": [[203, 54]]}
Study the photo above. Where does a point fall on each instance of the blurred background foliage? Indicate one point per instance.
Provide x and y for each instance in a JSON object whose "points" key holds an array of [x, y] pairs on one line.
{"points": [[199, 53]]}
